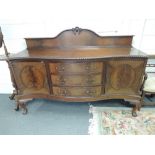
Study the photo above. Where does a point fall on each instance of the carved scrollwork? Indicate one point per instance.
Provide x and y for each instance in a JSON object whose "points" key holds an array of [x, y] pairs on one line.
{"points": [[76, 30]]}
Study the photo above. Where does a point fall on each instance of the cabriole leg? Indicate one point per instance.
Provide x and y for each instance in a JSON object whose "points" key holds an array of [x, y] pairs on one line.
{"points": [[21, 104], [135, 108], [12, 96], [17, 106]]}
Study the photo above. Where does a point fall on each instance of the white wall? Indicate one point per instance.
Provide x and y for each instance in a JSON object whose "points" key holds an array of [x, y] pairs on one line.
{"points": [[46, 18]]}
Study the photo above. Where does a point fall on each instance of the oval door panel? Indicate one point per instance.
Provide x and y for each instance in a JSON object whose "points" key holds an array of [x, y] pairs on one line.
{"points": [[122, 77], [32, 77]]}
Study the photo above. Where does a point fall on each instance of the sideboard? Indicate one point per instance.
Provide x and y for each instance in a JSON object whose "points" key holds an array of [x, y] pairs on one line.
{"points": [[77, 65]]}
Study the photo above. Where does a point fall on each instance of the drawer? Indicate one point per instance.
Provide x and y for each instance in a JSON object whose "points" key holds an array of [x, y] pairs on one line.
{"points": [[77, 80], [77, 91], [76, 67]]}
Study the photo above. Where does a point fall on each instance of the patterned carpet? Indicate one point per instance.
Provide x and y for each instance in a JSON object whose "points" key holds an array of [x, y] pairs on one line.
{"points": [[112, 121]]}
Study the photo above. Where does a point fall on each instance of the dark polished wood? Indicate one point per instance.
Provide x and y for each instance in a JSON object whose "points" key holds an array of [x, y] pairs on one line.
{"points": [[78, 65]]}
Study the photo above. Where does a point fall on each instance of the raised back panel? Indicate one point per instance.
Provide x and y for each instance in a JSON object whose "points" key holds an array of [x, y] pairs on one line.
{"points": [[1, 37], [78, 37]]}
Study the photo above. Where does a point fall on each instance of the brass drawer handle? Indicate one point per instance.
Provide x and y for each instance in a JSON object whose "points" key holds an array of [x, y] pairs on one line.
{"points": [[90, 80], [63, 92], [90, 92], [62, 80], [60, 68], [87, 67], [90, 66]]}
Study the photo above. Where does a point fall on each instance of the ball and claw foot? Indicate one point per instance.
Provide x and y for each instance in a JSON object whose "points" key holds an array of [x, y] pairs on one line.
{"points": [[17, 107], [134, 114], [135, 109], [24, 111], [21, 106], [12, 96]]}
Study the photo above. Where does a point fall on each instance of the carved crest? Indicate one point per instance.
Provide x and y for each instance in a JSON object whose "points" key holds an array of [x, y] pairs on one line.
{"points": [[76, 30]]}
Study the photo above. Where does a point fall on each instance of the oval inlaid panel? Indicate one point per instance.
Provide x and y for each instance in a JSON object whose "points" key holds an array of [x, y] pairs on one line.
{"points": [[122, 77], [32, 77]]}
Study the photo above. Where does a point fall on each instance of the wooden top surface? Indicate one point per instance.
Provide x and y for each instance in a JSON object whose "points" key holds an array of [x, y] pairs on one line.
{"points": [[79, 53]]}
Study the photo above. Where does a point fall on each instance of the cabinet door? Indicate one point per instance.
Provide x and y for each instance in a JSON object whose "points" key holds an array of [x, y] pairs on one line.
{"points": [[124, 76], [30, 77]]}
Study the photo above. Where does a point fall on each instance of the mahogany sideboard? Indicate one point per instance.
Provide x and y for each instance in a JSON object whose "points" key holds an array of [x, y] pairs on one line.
{"points": [[77, 65]]}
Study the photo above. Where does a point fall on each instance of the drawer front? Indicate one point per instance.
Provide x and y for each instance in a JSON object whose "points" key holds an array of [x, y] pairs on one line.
{"points": [[76, 67], [30, 77], [77, 91], [76, 80]]}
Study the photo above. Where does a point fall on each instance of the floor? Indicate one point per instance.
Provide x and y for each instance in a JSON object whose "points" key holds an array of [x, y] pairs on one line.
{"points": [[48, 117], [44, 117]]}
